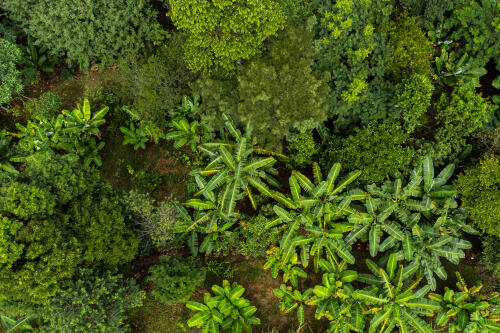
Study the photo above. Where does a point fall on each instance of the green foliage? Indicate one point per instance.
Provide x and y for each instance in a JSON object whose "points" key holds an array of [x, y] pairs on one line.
{"points": [[457, 71], [234, 168], [379, 150], [490, 255], [57, 215], [479, 188], [225, 310], [35, 60], [255, 238], [88, 32], [301, 149], [353, 50], [135, 136], [414, 95], [311, 223], [431, 10], [426, 206], [292, 299], [92, 303], [394, 300], [477, 25], [224, 32], [412, 50], [10, 78], [466, 309], [278, 92], [6, 153], [11, 325], [175, 279], [48, 105], [459, 115], [82, 121], [157, 85]]}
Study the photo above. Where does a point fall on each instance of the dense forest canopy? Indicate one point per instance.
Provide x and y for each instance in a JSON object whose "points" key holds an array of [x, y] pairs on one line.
{"points": [[250, 166]]}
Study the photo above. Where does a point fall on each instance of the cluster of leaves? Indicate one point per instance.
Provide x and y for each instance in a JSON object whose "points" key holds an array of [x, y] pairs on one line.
{"points": [[93, 302], [88, 32], [223, 32], [414, 95], [10, 78], [278, 91], [57, 215], [72, 131], [227, 309], [175, 279], [479, 188]]}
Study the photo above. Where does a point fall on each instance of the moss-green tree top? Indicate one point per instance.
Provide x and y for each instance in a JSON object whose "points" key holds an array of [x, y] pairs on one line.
{"points": [[223, 32], [10, 78], [55, 216]]}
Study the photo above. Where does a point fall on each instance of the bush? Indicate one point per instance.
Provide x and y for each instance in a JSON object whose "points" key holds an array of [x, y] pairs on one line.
{"points": [[59, 215], [277, 92], [431, 10], [412, 51], [221, 33], [480, 193], [10, 78], [301, 149], [353, 49], [155, 220], [88, 31], [93, 303], [414, 98], [491, 255], [175, 279], [255, 238], [158, 84], [379, 151], [48, 105]]}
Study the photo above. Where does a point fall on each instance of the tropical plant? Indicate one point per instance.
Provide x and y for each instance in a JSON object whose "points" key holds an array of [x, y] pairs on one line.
{"points": [[301, 149], [310, 223], [457, 71], [43, 134], [175, 279], [334, 300], [234, 169], [397, 210], [414, 95], [393, 300], [82, 121], [48, 105], [88, 149], [135, 136], [12, 325], [466, 309], [227, 309], [292, 299], [185, 132], [36, 59], [6, 152], [222, 33]]}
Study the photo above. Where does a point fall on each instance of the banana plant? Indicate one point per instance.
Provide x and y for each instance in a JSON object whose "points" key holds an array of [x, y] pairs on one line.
{"points": [[185, 133], [135, 136], [460, 71], [465, 310], [234, 169], [37, 58], [291, 271], [311, 222], [6, 153], [227, 309], [11, 325], [393, 299], [395, 209], [209, 220], [81, 121], [88, 149], [291, 299], [43, 134], [334, 300]]}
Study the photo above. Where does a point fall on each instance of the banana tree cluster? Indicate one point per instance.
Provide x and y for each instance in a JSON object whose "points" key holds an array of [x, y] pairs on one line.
{"points": [[419, 221], [226, 310], [467, 310], [313, 218], [394, 300], [234, 169], [73, 132]]}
